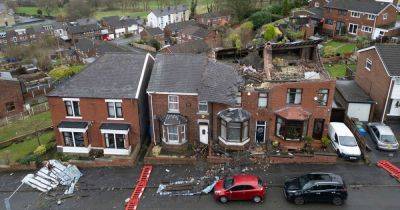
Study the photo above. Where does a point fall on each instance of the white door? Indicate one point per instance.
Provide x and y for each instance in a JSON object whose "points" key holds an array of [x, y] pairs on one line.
{"points": [[395, 108], [203, 133], [359, 110]]}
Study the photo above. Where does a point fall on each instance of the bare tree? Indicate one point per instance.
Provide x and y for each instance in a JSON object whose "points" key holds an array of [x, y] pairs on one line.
{"points": [[47, 5]]}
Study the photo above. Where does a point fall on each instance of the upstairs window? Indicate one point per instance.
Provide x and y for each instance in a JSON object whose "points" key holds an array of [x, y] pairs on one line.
{"points": [[355, 14], [114, 108], [262, 100], [322, 97], [329, 21], [368, 64], [203, 107], [293, 96], [72, 107], [385, 16], [343, 12], [238, 99], [371, 17], [173, 103]]}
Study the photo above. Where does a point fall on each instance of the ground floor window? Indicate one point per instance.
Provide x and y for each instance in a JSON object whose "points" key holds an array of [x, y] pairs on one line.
{"points": [[291, 129], [73, 139], [174, 133], [115, 141], [234, 131]]}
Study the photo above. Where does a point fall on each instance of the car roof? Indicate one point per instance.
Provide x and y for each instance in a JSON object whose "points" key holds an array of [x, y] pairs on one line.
{"points": [[245, 179], [329, 178], [341, 129], [383, 129]]}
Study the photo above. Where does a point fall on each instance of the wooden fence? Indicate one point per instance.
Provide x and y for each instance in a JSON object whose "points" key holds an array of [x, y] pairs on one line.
{"points": [[40, 108], [361, 140]]}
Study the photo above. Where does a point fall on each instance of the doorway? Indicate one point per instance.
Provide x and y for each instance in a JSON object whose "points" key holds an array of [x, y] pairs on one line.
{"points": [[261, 127], [318, 129], [353, 28], [203, 133]]}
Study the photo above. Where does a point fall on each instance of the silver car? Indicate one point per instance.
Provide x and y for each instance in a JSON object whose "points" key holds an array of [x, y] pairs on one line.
{"points": [[383, 136]]}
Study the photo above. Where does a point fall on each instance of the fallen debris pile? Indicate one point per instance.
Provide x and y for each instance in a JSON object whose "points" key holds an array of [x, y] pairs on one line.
{"points": [[188, 187], [53, 174]]}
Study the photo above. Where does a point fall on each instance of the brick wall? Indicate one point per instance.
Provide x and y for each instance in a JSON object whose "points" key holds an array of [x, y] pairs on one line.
{"points": [[95, 111], [375, 82], [10, 91]]}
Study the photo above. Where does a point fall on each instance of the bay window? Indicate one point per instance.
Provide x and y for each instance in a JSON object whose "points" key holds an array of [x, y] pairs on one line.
{"points": [[294, 130], [234, 131], [174, 129], [115, 141], [73, 139]]}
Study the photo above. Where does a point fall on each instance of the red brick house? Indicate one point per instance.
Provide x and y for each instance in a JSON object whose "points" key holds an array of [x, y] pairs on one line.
{"points": [[378, 73], [153, 33], [195, 100], [104, 107], [360, 18], [213, 19], [11, 99]]}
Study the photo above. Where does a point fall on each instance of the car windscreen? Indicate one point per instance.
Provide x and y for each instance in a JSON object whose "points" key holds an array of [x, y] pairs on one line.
{"points": [[303, 180], [228, 182], [348, 141], [388, 138]]}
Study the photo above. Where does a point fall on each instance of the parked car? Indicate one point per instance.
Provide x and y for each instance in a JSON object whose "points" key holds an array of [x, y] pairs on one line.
{"points": [[343, 141], [383, 136], [240, 187], [316, 187]]}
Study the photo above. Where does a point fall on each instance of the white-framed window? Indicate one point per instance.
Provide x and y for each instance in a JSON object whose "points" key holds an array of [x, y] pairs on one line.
{"points": [[385, 16], [173, 103], [322, 97], [175, 134], [203, 107], [114, 141], [368, 64], [371, 17], [73, 139], [355, 14], [234, 131], [293, 96], [114, 108], [316, 4], [366, 29], [72, 107], [238, 99], [353, 28], [262, 100]]}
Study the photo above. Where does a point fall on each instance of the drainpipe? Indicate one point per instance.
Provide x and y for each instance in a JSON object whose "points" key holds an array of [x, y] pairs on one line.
{"points": [[152, 119], [387, 99], [374, 29]]}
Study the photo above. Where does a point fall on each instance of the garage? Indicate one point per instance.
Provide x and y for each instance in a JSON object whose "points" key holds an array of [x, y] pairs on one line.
{"points": [[355, 102]]}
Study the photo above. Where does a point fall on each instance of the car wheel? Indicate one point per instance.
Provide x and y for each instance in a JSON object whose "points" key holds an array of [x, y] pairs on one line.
{"points": [[223, 199], [338, 153], [257, 199], [337, 201], [299, 200]]}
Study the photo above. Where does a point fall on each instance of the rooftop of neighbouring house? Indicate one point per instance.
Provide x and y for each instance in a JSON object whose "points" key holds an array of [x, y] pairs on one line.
{"points": [[169, 10], [368, 6]]}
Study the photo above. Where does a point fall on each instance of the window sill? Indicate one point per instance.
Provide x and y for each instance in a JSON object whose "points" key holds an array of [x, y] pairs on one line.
{"points": [[112, 151], [115, 118], [174, 143], [80, 150], [203, 113], [173, 111], [229, 143], [73, 117]]}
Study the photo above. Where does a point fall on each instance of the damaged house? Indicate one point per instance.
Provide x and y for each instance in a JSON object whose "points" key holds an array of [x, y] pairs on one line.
{"points": [[104, 107], [197, 101]]}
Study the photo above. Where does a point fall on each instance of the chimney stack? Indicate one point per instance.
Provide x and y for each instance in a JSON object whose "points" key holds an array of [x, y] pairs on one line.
{"points": [[268, 66]]}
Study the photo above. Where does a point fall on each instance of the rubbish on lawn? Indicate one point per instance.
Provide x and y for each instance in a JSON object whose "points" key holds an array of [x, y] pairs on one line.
{"points": [[167, 170], [53, 174], [185, 188]]}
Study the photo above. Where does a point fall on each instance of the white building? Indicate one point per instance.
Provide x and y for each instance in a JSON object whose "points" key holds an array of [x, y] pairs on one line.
{"points": [[162, 17]]}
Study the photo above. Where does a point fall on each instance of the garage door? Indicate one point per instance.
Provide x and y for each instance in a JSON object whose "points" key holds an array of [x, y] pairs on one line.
{"points": [[360, 111]]}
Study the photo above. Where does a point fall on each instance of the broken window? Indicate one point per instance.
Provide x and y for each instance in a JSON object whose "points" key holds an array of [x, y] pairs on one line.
{"points": [[262, 100], [234, 131], [290, 129], [10, 106], [294, 96], [322, 97]]}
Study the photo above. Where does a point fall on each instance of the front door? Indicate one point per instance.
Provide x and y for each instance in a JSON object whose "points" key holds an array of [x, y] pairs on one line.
{"points": [[203, 133], [260, 132], [318, 128]]}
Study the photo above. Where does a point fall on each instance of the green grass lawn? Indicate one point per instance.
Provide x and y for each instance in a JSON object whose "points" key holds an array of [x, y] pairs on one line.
{"points": [[19, 150], [100, 14], [342, 47], [33, 11], [21, 127], [338, 70]]}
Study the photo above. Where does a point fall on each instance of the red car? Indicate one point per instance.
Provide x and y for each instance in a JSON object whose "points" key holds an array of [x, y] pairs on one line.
{"points": [[240, 187]]}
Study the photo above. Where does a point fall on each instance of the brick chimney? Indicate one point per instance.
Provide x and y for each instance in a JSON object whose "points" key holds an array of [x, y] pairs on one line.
{"points": [[268, 66]]}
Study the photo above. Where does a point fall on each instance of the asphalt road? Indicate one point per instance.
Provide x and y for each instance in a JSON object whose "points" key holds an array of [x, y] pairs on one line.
{"points": [[107, 188]]}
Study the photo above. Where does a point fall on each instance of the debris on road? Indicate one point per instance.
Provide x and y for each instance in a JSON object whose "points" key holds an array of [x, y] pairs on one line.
{"points": [[53, 174], [188, 187]]}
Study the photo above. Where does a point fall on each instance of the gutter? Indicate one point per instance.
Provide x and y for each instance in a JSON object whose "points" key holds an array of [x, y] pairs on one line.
{"points": [[387, 99], [152, 118]]}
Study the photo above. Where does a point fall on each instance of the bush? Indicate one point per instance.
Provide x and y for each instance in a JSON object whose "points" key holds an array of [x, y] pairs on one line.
{"points": [[40, 150], [154, 43], [308, 140], [234, 38], [329, 51], [325, 142], [270, 33], [30, 158], [260, 18], [62, 72]]}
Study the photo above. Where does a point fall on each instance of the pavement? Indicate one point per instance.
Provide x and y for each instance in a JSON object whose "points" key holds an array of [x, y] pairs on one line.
{"points": [[107, 188]]}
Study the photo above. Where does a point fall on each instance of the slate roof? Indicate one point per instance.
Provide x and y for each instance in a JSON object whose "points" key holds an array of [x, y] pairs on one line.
{"points": [[101, 47], [78, 29], [118, 22], [115, 126], [183, 73], [114, 75], [318, 12], [195, 31], [369, 6], [390, 54], [194, 47], [351, 92], [211, 15], [170, 10], [71, 124], [234, 115], [179, 26], [173, 119], [154, 31]]}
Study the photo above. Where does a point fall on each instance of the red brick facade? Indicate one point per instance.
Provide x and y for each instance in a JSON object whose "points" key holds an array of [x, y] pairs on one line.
{"points": [[10, 94], [94, 110], [188, 107], [375, 82]]}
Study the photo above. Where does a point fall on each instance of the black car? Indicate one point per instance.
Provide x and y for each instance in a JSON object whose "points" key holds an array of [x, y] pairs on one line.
{"points": [[316, 187]]}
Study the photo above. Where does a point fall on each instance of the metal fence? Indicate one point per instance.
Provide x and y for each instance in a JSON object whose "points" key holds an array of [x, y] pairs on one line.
{"points": [[25, 114]]}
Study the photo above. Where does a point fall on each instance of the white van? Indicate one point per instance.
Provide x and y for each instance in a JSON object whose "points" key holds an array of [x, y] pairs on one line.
{"points": [[344, 141]]}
